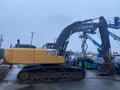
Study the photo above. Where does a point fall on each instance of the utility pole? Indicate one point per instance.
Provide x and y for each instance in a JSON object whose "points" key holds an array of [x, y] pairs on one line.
{"points": [[1, 39], [32, 34]]}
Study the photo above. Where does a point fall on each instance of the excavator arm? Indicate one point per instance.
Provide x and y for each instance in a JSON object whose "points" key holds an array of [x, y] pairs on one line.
{"points": [[104, 35], [86, 26], [104, 49]]}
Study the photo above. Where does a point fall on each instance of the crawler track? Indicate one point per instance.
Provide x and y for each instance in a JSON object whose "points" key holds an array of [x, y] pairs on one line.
{"points": [[49, 73]]}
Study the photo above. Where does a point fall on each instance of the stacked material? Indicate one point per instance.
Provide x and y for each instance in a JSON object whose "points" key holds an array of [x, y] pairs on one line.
{"points": [[4, 70]]}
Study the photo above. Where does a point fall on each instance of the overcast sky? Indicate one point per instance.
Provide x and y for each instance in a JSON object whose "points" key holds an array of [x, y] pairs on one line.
{"points": [[49, 17]]}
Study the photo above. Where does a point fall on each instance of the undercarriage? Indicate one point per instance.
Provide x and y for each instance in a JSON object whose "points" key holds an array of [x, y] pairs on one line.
{"points": [[49, 73]]}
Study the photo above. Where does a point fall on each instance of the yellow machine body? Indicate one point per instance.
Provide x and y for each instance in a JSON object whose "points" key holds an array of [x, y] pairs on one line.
{"points": [[32, 56]]}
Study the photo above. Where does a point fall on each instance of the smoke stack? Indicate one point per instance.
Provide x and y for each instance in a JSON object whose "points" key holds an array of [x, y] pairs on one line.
{"points": [[18, 41]]}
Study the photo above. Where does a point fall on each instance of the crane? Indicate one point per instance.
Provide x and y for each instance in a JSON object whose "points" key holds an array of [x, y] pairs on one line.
{"points": [[96, 43], [115, 24]]}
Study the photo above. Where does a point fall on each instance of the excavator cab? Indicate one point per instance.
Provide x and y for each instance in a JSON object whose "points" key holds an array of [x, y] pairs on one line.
{"points": [[49, 46]]}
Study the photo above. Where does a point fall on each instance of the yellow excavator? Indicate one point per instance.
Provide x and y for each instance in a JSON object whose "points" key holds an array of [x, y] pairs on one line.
{"points": [[48, 64], [43, 65]]}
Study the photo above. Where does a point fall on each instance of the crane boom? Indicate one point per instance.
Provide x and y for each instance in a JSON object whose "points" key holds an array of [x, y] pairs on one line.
{"points": [[96, 43], [114, 36]]}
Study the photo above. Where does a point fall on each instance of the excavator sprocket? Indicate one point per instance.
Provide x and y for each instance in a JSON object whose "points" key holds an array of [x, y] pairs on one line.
{"points": [[49, 73]]}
